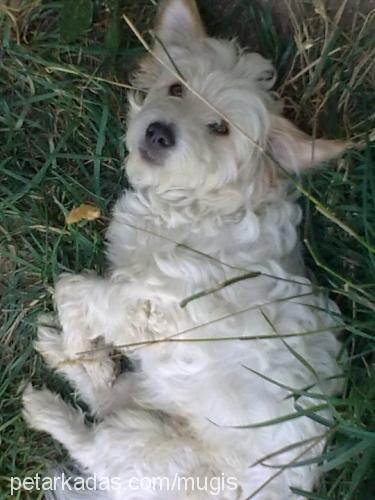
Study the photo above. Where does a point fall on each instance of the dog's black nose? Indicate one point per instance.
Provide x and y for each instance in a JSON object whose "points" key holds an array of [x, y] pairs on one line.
{"points": [[159, 136]]}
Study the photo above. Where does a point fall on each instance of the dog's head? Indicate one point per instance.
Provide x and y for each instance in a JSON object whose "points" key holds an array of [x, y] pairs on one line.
{"points": [[209, 132]]}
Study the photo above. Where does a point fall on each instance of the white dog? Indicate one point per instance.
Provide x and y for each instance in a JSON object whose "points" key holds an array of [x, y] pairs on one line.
{"points": [[201, 416]]}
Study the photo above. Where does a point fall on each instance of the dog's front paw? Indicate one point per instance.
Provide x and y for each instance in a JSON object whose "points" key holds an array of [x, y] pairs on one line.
{"points": [[80, 330], [51, 345]]}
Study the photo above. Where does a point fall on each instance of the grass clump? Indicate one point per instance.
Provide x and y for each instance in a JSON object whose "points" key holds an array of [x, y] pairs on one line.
{"points": [[62, 117]]}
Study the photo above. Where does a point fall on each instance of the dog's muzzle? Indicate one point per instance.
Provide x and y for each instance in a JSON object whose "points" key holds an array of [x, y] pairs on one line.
{"points": [[158, 141]]}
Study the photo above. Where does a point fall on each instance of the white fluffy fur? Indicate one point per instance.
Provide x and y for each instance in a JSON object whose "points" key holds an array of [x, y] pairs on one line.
{"points": [[221, 197]]}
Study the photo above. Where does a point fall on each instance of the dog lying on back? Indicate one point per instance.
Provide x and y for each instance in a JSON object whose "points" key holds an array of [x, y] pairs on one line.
{"points": [[209, 204]]}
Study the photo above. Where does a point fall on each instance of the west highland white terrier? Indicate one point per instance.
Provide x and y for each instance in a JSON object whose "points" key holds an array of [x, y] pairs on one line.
{"points": [[234, 351]]}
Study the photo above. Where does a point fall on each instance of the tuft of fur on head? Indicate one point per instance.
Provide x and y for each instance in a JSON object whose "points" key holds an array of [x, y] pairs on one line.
{"points": [[235, 82]]}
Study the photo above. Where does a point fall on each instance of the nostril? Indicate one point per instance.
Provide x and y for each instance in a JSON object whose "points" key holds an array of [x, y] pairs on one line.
{"points": [[160, 135], [150, 132]]}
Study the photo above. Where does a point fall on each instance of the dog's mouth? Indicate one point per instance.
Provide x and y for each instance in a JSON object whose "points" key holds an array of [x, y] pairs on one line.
{"points": [[149, 157]]}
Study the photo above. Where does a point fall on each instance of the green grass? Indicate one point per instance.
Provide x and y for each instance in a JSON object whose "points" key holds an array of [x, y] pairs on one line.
{"points": [[60, 145]]}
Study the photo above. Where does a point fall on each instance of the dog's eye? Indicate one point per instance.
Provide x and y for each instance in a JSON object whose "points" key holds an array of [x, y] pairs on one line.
{"points": [[176, 90], [219, 128]]}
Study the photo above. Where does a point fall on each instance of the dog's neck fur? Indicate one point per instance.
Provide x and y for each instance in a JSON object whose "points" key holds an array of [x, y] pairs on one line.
{"points": [[147, 224]]}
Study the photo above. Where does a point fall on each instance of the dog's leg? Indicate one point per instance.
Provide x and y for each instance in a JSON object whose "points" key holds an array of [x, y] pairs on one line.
{"points": [[79, 309], [101, 400], [50, 344], [146, 444], [46, 411], [92, 308]]}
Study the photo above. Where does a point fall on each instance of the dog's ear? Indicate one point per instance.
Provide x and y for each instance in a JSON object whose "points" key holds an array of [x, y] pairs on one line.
{"points": [[297, 151], [179, 23]]}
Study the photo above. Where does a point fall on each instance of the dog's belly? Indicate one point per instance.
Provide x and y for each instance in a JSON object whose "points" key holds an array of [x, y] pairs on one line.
{"points": [[196, 357], [232, 357]]}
